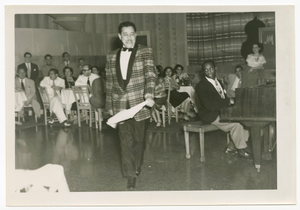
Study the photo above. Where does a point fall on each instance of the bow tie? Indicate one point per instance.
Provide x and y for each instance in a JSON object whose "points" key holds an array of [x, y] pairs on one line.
{"points": [[125, 49]]}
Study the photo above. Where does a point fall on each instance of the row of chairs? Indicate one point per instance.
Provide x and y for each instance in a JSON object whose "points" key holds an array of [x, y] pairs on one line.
{"points": [[81, 95]]}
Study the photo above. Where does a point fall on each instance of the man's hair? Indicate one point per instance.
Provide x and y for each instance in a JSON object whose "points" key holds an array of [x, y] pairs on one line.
{"points": [[65, 53], [27, 53], [208, 61], [126, 24], [47, 55], [168, 67], [238, 66], [89, 66], [53, 70], [67, 67], [178, 65], [20, 69], [81, 59]]}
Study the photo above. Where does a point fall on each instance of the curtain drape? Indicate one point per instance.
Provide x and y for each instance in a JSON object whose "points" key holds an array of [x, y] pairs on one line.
{"points": [[219, 36]]}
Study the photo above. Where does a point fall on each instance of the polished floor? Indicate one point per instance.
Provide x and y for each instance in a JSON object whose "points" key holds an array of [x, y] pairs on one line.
{"points": [[91, 160]]}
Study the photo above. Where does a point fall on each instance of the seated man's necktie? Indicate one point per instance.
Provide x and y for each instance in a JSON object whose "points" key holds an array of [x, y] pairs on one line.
{"points": [[219, 89], [125, 49], [22, 85], [88, 81]]}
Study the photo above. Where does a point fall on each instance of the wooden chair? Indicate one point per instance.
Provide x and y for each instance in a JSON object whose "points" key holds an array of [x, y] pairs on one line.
{"points": [[46, 103], [82, 95], [169, 107], [201, 128]]}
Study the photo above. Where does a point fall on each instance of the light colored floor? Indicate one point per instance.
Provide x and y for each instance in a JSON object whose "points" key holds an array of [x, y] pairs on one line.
{"points": [[91, 160]]}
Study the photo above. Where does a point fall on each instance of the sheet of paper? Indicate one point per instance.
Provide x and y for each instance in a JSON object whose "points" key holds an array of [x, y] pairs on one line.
{"points": [[125, 114]]}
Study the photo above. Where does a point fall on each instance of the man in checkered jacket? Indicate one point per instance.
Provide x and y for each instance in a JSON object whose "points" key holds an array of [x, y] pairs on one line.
{"points": [[130, 80]]}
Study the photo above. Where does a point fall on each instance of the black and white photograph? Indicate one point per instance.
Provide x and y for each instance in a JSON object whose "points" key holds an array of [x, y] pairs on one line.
{"points": [[182, 100]]}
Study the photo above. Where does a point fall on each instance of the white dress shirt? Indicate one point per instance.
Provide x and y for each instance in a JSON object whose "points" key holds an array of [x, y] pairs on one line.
{"points": [[124, 60], [217, 86], [21, 81], [82, 80], [67, 63], [47, 83], [236, 83]]}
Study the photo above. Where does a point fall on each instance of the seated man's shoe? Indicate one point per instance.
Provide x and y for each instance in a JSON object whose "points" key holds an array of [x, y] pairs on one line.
{"points": [[230, 148], [51, 122], [138, 171], [244, 154], [66, 124], [131, 182]]}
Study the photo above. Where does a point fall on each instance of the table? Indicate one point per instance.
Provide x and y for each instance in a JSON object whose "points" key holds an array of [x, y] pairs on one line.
{"points": [[190, 90], [20, 99], [67, 98]]}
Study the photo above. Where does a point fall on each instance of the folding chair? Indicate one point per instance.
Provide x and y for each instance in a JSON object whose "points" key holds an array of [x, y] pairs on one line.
{"points": [[82, 95]]}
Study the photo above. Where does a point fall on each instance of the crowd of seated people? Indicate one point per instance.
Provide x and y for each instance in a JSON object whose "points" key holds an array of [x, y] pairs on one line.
{"points": [[54, 79]]}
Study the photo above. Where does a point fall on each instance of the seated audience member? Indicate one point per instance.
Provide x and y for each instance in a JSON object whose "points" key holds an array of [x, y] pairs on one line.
{"points": [[31, 69], [22, 83], [81, 63], [160, 71], [176, 98], [87, 77], [45, 69], [67, 62], [96, 70], [256, 60], [69, 83], [212, 98], [99, 72], [97, 99], [160, 96], [180, 76], [234, 81], [53, 85], [69, 79]]}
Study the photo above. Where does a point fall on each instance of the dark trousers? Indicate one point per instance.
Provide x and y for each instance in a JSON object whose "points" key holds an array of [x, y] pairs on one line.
{"points": [[132, 138]]}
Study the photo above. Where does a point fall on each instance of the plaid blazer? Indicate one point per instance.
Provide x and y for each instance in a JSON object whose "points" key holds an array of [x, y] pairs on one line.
{"points": [[140, 84]]}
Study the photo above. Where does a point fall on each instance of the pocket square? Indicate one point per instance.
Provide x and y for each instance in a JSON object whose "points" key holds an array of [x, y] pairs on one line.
{"points": [[34, 69]]}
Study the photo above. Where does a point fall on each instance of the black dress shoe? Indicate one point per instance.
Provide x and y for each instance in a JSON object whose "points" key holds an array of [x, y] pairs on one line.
{"points": [[244, 154], [230, 150], [131, 182], [138, 171]]}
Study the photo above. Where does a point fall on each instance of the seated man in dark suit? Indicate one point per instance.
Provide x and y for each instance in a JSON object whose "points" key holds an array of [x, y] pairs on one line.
{"points": [[22, 83], [97, 99], [234, 81], [31, 69], [212, 98]]}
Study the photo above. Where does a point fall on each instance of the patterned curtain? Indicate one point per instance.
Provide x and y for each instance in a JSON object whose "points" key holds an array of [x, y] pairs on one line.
{"points": [[219, 36]]}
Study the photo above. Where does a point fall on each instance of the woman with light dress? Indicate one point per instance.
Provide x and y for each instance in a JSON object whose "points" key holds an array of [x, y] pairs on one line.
{"points": [[256, 60]]}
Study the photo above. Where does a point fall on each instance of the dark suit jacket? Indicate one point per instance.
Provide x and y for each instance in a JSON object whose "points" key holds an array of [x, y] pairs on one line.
{"points": [[34, 71], [210, 101], [98, 93]]}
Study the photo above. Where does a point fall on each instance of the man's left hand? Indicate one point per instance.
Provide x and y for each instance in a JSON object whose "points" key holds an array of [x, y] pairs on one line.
{"points": [[26, 103], [150, 102]]}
